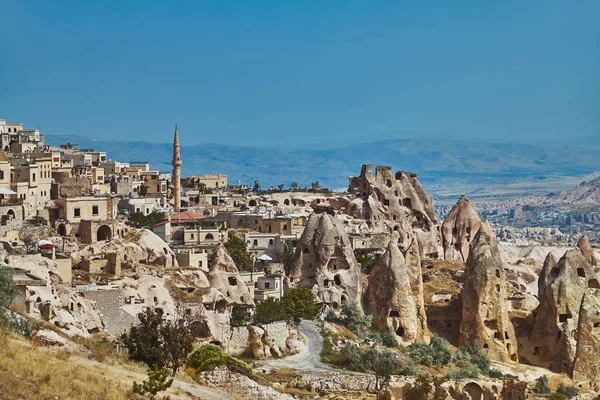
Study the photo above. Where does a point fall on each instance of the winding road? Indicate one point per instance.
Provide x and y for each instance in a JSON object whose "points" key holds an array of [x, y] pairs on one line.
{"points": [[309, 359]]}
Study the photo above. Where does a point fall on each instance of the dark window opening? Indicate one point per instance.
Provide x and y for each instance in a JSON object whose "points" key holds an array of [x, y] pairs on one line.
{"points": [[394, 314], [400, 331], [232, 280], [564, 317], [581, 272], [337, 280]]}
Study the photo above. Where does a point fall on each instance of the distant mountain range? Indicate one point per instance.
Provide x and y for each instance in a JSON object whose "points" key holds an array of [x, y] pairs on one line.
{"points": [[441, 164]]}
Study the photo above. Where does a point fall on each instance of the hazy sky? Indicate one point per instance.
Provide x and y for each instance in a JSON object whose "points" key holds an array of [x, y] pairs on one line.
{"points": [[286, 72]]}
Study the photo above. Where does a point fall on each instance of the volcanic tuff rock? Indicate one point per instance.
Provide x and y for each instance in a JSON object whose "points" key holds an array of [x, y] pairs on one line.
{"points": [[325, 262], [461, 225], [587, 251], [397, 203], [586, 369], [225, 277], [484, 306], [395, 295], [554, 334]]}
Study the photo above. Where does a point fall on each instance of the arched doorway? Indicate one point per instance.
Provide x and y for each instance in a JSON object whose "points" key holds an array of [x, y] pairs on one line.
{"points": [[62, 230], [10, 214], [104, 233], [474, 390], [252, 203], [200, 329]]}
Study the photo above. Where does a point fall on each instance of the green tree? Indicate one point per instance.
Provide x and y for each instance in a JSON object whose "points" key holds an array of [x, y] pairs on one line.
{"points": [[382, 364], [280, 187], [158, 381], [143, 191], [238, 250], [139, 220], [159, 343], [300, 303], [294, 185], [315, 185], [541, 385], [207, 357], [177, 342], [354, 318], [144, 341], [269, 310], [289, 256]]}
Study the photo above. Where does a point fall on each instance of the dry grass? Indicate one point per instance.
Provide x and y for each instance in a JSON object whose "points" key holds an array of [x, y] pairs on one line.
{"points": [[35, 373]]}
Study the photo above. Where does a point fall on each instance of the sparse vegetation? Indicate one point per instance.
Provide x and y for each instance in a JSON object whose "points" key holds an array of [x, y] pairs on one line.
{"points": [[568, 391], [158, 381], [352, 317], [541, 385]]}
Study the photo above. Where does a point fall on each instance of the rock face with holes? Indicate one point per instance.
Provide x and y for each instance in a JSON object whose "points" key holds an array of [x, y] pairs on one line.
{"points": [[459, 229], [485, 304], [395, 295], [587, 251], [224, 276], [586, 369], [325, 262], [399, 203], [554, 335], [137, 247]]}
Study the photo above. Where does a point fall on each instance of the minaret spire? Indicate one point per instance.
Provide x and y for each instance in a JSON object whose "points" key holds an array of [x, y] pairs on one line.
{"points": [[176, 170]]}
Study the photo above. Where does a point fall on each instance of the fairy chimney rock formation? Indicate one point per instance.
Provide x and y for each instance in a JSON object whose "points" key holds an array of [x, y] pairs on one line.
{"points": [[396, 203], [587, 251], [586, 369], [554, 334], [484, 300], [395, 303], [459, 229], [325, 262], [224, 276], [549, 263]]}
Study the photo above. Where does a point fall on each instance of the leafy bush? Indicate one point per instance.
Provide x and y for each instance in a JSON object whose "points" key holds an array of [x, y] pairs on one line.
{"points": [[568, 391], [495, 373], [352, 317], [209, 357], [541, 385], [472, 355], [388, 339], [434, 353], [269, 310], [469, 371], [367, 258], [140, 220]]}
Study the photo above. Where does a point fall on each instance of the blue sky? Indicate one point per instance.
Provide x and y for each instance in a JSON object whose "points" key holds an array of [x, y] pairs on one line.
{"points": [[288, 73]]}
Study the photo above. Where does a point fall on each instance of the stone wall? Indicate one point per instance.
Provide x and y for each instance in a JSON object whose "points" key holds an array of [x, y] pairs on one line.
{"points": [[240, 386], [108, 304], [278, 333]]}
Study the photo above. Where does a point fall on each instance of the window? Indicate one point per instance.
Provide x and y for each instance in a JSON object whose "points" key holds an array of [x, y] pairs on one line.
{"points": [[270, 241], [255, 243], [1, 174], [33, 177], [77, 212], [94, 210]]}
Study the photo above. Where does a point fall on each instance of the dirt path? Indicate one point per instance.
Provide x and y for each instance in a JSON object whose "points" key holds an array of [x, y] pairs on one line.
{"points": [[309, 359]]}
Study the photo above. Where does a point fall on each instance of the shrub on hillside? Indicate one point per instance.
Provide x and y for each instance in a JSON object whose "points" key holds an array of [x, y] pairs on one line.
{"points": [[434, 353], [208, 357], [541, 385], [568, 391]]}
